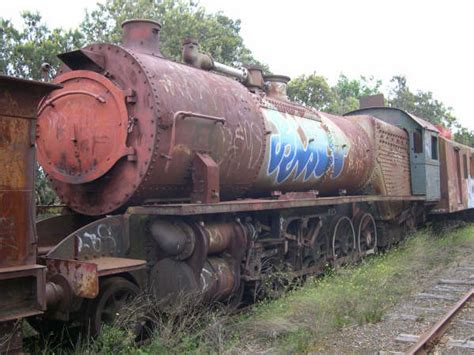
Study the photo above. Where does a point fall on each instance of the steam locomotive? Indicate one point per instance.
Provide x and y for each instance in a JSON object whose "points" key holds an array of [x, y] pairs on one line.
{"points": [[198, 176]]}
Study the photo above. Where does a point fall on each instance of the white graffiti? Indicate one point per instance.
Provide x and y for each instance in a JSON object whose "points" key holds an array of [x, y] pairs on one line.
{"points": [[99, 240]]}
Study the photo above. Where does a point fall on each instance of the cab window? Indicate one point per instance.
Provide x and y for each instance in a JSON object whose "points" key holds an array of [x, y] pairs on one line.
{"points": [[417, 141], [434, 148]]}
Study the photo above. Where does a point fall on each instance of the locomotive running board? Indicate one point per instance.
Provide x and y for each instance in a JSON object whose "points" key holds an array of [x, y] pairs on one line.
{"points": [[252, 205]]}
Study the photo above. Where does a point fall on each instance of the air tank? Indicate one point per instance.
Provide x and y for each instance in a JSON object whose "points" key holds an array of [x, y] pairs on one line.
{"points": [[127, 124]]}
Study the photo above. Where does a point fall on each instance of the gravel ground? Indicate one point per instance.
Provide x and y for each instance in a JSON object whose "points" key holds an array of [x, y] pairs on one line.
{"points": [[415, 314]]}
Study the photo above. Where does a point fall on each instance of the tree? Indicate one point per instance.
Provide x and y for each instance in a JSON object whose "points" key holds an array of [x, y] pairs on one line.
{"points": [[311, 90], [421, 103], [25, 49], [23, 52], [347, 92], [464, 136], [217, 34]]}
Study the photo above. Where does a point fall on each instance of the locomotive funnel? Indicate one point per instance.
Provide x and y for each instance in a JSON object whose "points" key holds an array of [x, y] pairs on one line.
{"points": [[142, 36]]}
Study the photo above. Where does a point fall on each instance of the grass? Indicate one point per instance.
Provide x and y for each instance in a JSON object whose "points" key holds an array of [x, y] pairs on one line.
{"points": [[304, 318]]}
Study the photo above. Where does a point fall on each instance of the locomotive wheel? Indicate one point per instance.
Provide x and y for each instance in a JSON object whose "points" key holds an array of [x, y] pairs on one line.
{"points": [[114, 295], [366, 234], [343, 238], [319, 246]]}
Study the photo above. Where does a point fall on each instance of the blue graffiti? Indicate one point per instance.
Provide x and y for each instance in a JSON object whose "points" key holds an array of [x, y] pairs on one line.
{"points": [[309, 158]]}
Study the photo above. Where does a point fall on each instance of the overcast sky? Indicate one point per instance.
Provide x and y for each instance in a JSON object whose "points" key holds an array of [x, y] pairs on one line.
{"points": [[430, 42]]}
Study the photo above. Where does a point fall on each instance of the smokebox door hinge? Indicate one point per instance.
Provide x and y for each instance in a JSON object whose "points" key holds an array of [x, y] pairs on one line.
{"points": [[205, 177], [130, 96]]}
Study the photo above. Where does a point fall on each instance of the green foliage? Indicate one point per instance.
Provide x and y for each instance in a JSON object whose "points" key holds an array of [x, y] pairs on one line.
{"points": [[346, 92], [421, 103], [216, 33], [464, 136], [25, 49], [44, 193], [311, 90]]}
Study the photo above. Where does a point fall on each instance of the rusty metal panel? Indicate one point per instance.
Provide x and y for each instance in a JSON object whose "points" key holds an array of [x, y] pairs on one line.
{"points": [[103, 237], [82, 277], [18, 101], [252, 205], [372, 101], [456, 177], [393, 159], [22, 291], [21, 281]]}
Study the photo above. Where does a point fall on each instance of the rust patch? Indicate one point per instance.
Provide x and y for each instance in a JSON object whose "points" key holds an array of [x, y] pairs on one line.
{"points": [[83, 277]]}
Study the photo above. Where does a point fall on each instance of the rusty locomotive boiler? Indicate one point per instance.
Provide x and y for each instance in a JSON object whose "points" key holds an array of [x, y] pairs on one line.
{"points": [[206, 178], [131, 127]]}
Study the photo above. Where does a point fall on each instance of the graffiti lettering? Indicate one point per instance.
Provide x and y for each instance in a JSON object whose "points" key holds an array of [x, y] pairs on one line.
{"points": [[301, 148], [98, 240]]}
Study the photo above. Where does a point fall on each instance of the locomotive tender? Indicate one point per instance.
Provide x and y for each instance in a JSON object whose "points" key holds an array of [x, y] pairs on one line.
{"points": [[201, 177]]}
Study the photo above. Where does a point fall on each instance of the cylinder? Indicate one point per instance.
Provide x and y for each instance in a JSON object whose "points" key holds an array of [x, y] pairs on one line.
{"points": [[175, 238], [217, 278], [219, 236]]}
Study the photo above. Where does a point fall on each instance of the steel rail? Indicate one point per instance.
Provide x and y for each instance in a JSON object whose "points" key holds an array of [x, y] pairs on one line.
{"points": [[427, 341]]}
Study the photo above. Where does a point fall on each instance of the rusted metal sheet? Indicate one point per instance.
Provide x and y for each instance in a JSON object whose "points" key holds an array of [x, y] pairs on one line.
{"points": [[457, 177], [82, 277], [393, 160], [21, 280], [51, 231], [18, 101], [110, 265], [103, 237], [247, 205], [372, 101], [22, 291]]}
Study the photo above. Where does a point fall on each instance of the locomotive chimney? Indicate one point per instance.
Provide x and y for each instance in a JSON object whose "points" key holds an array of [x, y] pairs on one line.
{"points": [[276, 86], [142, 36]]}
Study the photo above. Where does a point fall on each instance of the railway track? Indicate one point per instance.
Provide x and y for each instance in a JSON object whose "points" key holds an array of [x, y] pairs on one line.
{"points": [[439, 319], [430, 339]]}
